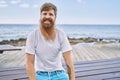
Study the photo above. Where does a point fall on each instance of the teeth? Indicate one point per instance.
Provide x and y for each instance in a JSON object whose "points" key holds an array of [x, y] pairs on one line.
{"points": [[46, 21]]}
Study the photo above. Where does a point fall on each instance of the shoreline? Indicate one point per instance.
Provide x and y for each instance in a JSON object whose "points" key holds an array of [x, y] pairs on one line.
{"points": [[73, 41]]}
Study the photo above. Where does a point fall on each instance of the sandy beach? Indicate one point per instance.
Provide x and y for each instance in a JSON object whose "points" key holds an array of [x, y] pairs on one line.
{"points": [[83, 50]]}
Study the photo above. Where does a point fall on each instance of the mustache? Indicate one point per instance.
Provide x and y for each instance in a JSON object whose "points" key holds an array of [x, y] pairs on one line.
{"points": [[47, 19]]}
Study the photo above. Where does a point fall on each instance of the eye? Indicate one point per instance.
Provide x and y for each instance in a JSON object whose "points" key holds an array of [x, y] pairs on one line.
{"points": [[51, 14], [44, 13]]}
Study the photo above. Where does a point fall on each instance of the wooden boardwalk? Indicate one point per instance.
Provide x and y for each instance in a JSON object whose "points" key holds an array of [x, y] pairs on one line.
{"points": [[92, 62], [83, 52], [106, 69]]}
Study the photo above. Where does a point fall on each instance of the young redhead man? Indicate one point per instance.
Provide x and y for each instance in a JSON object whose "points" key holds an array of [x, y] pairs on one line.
{"points": [[44, 48]]}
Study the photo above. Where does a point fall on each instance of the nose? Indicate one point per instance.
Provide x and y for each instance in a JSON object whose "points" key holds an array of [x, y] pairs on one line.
{"points": [[47, 16]]}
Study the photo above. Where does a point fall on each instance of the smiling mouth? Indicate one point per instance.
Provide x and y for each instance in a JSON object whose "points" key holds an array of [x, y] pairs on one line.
{"points": [[46, 21]]}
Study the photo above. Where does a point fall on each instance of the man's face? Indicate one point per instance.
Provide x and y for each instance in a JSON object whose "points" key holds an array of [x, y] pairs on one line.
{"points": [[48, 18]]}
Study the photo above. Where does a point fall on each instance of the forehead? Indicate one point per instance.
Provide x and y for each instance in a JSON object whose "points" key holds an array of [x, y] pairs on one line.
{"points": [[49, 11]]}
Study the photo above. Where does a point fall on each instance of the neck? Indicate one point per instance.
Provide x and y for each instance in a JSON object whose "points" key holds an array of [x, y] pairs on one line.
{"points": [[48, 33]]}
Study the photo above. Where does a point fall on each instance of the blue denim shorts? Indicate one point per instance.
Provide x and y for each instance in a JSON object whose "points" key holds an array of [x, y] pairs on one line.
{"points": [[55, 75]]}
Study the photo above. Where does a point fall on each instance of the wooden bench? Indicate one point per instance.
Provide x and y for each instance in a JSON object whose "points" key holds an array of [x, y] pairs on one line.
{"points": [[8, 48], [107, 69]]}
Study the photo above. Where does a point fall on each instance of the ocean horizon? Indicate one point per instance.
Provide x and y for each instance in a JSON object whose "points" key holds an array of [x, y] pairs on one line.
{"points": [[16, 31]]}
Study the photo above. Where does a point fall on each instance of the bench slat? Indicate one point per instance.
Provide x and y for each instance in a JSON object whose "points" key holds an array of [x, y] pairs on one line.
{"points": [[97, 72], [108, 76], [108, 69], [114, 78], [8, 48]]}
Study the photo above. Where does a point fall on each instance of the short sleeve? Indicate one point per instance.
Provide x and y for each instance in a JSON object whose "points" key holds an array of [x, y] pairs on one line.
{"points": [[64, 43], [30, 44]]}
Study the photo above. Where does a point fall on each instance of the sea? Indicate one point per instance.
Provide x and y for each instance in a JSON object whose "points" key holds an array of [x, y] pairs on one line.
{"points": [[16, 31]]}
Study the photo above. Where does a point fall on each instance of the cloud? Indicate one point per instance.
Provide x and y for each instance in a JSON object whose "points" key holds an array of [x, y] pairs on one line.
{"points": [[3, 5], [19, 21], [24, 5], [35, 6], [79, 1], [15, 1], [2, 2]]}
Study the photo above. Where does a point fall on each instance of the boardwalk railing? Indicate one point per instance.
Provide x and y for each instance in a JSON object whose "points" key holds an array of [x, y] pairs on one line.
{"points": [[8, 48], [107, 69]]}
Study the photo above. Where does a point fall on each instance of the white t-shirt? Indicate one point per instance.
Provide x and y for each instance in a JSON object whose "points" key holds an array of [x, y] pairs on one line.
{"points": [[47, 53]]}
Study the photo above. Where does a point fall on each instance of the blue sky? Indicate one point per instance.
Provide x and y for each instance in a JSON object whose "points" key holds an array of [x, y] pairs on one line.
{"points": [[69, 11]]}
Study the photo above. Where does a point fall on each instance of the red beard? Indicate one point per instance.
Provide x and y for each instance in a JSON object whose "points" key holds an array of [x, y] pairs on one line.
{"points": [[48, 29], [47, 25]]}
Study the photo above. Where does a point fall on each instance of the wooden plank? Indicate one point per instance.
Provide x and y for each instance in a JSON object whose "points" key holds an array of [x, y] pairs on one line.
{"points": [[8, 48], [95, 70], [79, 54], [88, 68], [108, 76], [12, 59], [97, 61], [112, 50], [18, 60], [95, 52], [97, 64], [84, 69], [75, 56], [11, 68], [17, 75], [14, 76], [114, 78], [13, 73], [8, 59]]}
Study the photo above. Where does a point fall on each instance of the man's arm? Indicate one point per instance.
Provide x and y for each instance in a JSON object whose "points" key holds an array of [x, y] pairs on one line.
{"points": [[30, 66], [69, 63]]}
